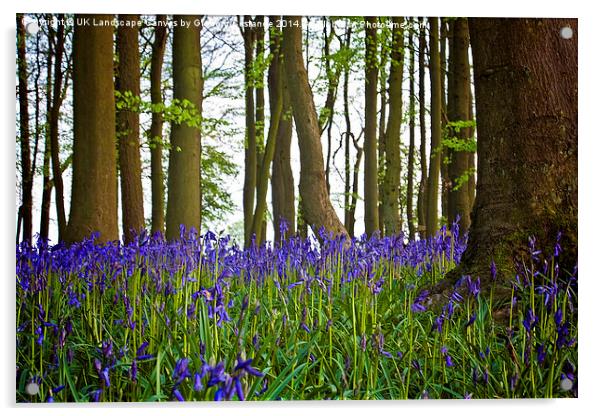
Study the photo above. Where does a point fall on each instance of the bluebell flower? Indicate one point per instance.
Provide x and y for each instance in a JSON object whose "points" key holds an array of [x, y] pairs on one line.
{"points": [[178, 395]]}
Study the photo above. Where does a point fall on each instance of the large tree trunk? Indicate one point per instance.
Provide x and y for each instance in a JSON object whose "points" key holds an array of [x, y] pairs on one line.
{"points": [[184, 175], [412, 146], [276, 99], [317, 208], [392, 181], [459, 202], [128, 129], [57, 99], [526, 96], [250, 180], [423, 185], [94, 190], [26, 177], [370, 142], [156, 129], [283, 184], [432, 200]]}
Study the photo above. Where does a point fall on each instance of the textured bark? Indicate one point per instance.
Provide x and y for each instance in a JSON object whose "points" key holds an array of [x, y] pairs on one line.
{"points": [[459, 103], [57, 99], [412, 145], [250, 179], [26, 176], [526, 96], [156, 129], [283, 184], [370, 141], [94, 189], [392, 181], [472, 180], [432, 200], [276, 101], [184, 175], [317, 208], [423, 186], [128, 130], [350, 196]]}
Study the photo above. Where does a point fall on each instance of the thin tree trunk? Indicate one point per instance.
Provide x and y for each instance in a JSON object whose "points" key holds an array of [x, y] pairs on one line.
{"points": [[382, 128], [26, 179], [46, 181], [128, 129], [446, 37], [283, 185], [184, 174], [349, 195], [276, 101], [392, 181], [250, 180], [459, 199], [412, 147], [94, 190], [156, 129], [317, 208], [432, 204], [423, 186], [57, 99], [370, 143]]}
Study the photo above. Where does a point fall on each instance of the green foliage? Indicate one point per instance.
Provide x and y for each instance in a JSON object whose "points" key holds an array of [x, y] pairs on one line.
{"points": [[216, 168]]}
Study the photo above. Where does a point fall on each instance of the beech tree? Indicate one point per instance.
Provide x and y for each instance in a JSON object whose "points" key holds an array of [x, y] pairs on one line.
{"points": [[184, 174], [94, 188], [317, 207], [128, 127]]}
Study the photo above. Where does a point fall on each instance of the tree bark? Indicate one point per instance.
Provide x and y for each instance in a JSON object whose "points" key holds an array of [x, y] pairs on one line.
{"points": [[392, 181], [184, 175], [412, 146], [276, 99], [128, 129], [156, 129], [317, 207], [94, 189], [283, 184], [46, 180], [370, 141], [446, 31], [26, 177], [382, 128], [57, 99], [526, 96], [432, 204], [459, 199], [423, 186], [250, 180]]}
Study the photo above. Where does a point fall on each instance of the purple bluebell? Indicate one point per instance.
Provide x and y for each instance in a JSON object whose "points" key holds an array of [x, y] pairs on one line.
{"points": [[178, 396]]}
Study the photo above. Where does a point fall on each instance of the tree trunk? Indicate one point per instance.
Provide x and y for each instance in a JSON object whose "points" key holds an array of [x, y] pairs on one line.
{"points": [[432, 204], [382, 128], [128, 129], [412, 146], [459, 200], [57, 99], [423, 186], [370, 143], [526, 96], [283, 184], [94, 189], [26, 177], [276, 99], [46, 180], [349, 195], [446, 31], [184, 175], [317, 208], [472, 182], [392, 181], [250, 180], [156, 129]]}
